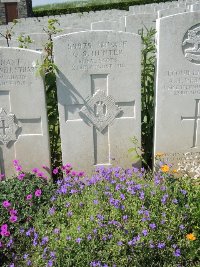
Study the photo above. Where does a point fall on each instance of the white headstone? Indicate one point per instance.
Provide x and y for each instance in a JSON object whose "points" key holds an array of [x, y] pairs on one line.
{"points": [[171, 11], [99, 96], [135, 23], [177, 115], [23, 119], [108, 25]]}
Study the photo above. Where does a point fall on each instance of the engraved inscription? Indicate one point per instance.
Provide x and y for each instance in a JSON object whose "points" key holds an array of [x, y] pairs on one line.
{"points": [[195, 118], [14, 71], [101, 110], [191, 44], [183, 82], [8, 127], [102, 55]]}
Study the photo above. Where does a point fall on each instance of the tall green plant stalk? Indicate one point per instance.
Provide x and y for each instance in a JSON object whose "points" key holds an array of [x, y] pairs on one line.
{"points": [[147, 90], [48, 69]]}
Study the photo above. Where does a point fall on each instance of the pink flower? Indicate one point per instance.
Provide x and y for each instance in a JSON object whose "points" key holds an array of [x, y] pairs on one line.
{"points": [[74, 173], [1, 244], [55, 171], [13, 212], [18, 168], [6, 204], [15, 162], [4, 227], [35, 170], [38, 192], [21, 176], [81, 174], [4, 230], [13, 218], [29, 197], [40, 174]]}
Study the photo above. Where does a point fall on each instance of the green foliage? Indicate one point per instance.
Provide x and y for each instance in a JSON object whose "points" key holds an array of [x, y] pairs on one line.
{"points": [[119, 219], [147, 91], [9, 32], [92, 5], [24, 41]]}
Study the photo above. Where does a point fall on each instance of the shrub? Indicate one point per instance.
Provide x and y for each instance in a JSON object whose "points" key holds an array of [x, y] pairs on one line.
{"points": [[117, 218]]}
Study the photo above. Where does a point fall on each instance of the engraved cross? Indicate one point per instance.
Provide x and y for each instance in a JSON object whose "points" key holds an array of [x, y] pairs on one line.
{"points": [[195, 118]]}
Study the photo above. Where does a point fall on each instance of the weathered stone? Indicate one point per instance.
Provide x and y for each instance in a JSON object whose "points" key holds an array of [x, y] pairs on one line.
{"points": [[139, 22], [23, 119], [99, 97], [108, 25], [178, 91]]}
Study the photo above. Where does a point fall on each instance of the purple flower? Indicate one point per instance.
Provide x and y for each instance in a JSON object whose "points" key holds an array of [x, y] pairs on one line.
{"points": [[161, 245], [50, 263], [52, 254], [89, 237], [69, 213], [119, 243], [52, 211], [68, 238], [175, 201], [25, 256], [56, 231], [152, 225], [184, 192], [95, 201], [164, 198], [141, 195], [78, 240], [122, 196], [145, 232], [125, 217], [182, 227], [28, 263], [177, 252], [100, 217], [44, 240]]}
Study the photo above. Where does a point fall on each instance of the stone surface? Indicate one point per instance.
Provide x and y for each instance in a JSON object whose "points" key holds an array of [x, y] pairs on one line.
{"points": [[99, 97], [135, 23], [108, 25], [171, 11], [177, 114], [23, 120]]}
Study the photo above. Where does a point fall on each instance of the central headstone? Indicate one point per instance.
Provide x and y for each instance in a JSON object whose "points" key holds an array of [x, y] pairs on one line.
{"points": [[99, 97], [23, 118]]}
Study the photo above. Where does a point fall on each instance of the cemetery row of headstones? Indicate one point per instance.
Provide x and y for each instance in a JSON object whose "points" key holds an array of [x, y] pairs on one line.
{"points": [[137, 18], [99, 98]]}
